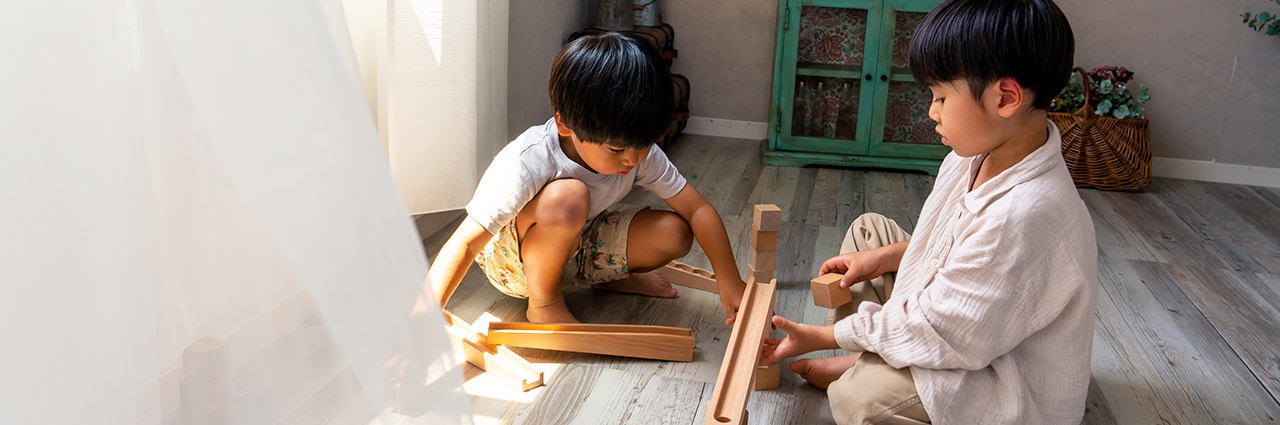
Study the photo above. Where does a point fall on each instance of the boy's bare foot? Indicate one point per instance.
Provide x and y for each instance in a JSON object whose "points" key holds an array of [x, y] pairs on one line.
{"points": [[648, 283], [555, 313], [822, 372]]}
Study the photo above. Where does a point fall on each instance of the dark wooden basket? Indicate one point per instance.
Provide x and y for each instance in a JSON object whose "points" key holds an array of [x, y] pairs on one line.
{"points": [[1104, 152]]}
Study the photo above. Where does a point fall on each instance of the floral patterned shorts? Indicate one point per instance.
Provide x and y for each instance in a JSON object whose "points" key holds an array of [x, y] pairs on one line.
{"points": [[601, 255]]}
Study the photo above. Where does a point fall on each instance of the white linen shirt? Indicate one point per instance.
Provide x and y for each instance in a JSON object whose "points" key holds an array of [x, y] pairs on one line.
{"points": [[993, 307]]}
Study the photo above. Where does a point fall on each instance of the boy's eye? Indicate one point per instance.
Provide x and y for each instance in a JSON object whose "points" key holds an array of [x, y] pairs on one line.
{"points": [[615, 150]]}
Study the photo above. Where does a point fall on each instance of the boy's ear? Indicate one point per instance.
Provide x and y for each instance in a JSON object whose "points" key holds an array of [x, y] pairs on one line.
{"points": [[561, 128], [1011, 96]]}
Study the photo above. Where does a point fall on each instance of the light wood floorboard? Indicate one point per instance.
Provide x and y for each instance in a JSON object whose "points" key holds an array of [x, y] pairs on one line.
{"points": [[1188, 318]]}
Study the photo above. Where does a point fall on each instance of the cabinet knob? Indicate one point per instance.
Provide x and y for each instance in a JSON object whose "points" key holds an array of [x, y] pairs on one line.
{"points": [[868, 77], [884, 78]]}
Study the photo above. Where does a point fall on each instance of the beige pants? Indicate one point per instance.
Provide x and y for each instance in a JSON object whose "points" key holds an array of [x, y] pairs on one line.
{"points": [[872, 392]]}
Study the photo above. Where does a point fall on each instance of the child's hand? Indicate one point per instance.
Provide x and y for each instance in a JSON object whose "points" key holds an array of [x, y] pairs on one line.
{"points": [[800, 339], [856, 267], [731, 297]]}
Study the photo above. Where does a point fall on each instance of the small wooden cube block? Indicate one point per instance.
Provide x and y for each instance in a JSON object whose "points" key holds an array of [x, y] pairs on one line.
{"points": [[763, 241], [764, 260], [767, 377], [206, 359], [827, 291], [768, 218], [760, 275]]}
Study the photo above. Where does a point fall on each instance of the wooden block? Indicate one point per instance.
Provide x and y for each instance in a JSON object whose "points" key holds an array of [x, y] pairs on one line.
{"points": [[738, 370], [685, 275], [762, 240], [768, 218], [498, 361], [646, 342], [827, 291], [764, 260], [760, 275], [206, 359], [768, 377]]}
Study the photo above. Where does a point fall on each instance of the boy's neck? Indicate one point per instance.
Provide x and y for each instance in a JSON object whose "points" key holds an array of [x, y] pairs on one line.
{"points": [[1022, 137], [571, 151]]}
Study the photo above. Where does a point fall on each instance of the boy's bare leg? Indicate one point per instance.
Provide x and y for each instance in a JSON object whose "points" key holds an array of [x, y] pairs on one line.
{"points": [[548, 229], [653, 240]]}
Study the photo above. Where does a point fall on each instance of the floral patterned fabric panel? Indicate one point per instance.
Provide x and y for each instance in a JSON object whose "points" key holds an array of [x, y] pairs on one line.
{"points": [[906, 117], [832, 35], [903, 30], [826, 107]]}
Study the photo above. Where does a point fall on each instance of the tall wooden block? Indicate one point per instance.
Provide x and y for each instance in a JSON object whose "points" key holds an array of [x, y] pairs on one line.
{"points": [[206, 359], [768, 218], [768, 377], [764, 260], [827, 291], [762, 240], [760, 275]]}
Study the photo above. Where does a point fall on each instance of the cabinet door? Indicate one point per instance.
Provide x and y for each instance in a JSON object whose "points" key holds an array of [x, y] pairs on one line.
{"points": [[902, 127], [826, 97]]}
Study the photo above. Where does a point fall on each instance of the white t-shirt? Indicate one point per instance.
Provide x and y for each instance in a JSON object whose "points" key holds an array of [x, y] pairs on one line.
{"points": [[534, 159]]}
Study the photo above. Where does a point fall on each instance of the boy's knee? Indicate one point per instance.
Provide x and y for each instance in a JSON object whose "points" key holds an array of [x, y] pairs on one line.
{"points": [[564, 202], [675, 229]]}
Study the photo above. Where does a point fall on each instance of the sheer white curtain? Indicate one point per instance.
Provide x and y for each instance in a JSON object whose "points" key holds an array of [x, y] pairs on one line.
{"points": [[198, 224], [443, 97]]}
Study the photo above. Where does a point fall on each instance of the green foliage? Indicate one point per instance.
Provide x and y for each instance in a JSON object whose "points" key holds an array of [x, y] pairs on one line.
{"points": [[1110, 95], [1264, 22]]}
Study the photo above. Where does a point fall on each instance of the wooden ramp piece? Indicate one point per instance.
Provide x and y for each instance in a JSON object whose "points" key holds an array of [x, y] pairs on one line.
{"points": [[737, 373], [498, 361], [685, 275], [646, 342]]}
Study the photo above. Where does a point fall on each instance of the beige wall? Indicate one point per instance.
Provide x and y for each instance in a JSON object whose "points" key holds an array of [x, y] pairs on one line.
{"points": [[536, 31], [1214, 83], [726, 51]]}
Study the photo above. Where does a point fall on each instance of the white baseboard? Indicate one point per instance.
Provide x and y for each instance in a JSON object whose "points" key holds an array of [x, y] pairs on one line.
{"points": [[728, 128], [1160, 167], [1190, 169]]}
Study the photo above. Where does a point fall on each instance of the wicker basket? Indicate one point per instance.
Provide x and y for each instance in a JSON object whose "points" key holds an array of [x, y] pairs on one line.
{"points": [[1104, 152]]}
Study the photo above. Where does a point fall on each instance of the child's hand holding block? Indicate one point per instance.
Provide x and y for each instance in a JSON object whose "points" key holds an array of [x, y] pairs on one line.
{"points": [[827, 291]]}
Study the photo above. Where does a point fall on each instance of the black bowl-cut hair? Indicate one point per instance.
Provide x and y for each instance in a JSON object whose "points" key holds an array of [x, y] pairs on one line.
{"points": [[611, 89], [982, 41]]}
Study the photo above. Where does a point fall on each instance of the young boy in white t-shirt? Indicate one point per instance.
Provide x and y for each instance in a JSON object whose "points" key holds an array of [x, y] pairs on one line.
{"points": [[989, 319], [548, 199]]}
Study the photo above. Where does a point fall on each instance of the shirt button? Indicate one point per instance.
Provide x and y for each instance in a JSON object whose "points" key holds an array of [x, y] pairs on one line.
{"points": [[951, 225], [934, 263]]}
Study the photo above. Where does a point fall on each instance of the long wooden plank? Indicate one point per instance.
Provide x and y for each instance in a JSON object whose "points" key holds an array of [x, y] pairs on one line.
{"points": [[588, 327], [685, 275], [644, 345], [737, 372]]}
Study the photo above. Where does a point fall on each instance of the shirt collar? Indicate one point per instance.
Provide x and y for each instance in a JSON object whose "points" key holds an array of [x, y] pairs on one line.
{"points": [[1038, 162]]}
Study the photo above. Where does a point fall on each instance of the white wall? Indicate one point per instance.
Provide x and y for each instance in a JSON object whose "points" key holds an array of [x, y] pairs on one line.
{"points": [[537, 29]]}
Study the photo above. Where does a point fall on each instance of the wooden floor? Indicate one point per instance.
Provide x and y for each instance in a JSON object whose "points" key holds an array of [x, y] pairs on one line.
{"points": [[1188, 323]]}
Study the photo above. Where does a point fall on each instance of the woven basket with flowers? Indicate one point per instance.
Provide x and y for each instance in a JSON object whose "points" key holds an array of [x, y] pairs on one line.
{"points": [[1104, 130]]}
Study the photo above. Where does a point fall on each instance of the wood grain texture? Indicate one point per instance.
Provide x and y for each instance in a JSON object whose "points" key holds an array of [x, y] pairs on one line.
{"points": [[827, 292], [685, 275], [737, 371], [1174, 343], [619, 340]]}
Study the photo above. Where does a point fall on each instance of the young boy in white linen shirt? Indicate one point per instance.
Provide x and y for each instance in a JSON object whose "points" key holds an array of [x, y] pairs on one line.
{"points": [[548, 198], [990, 320]]}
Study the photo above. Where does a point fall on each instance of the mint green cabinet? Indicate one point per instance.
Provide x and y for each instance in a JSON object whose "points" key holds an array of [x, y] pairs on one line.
{"points": [[843, 94]]}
